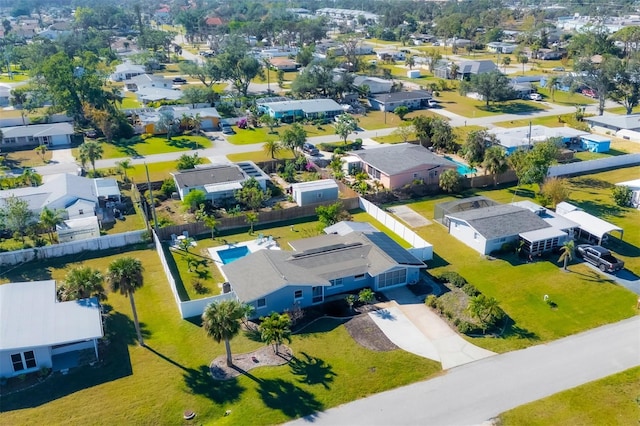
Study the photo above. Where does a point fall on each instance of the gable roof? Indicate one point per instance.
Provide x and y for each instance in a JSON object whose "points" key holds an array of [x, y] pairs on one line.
{"points": [[149, 79], [38, 130], [477, 67], [503, 220], [402, 96], [315, 261], [398, 158], [308, 106], [30, 316], [208, 175], [629, 122], [65, 185]]}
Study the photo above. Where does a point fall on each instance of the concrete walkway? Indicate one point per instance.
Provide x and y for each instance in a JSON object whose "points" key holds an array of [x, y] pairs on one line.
{"points": [[415, 328], [479, 391]]}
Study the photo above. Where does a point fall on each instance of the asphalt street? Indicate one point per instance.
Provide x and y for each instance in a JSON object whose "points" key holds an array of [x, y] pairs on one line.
{"points": [[477, 392]]}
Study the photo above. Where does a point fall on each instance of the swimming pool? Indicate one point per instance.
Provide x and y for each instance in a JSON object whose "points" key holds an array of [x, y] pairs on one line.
{"points": [[232, 254], [463, 169]]}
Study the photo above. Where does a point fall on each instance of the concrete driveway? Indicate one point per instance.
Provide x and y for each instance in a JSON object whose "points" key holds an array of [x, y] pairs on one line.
{"points": [[415, 328]]}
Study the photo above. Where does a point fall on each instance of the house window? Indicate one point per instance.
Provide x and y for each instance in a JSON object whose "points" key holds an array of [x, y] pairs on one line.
{"points": [[80, 211], [392, 278], [415, 175], [316, 294], [261, 303], [23, 360], [359, 277], [320, 195], [475, 236], [297, 294]]}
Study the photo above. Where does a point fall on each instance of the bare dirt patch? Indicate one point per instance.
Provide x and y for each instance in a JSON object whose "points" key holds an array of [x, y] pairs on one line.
{"points": [[367, 334], [263, 357]]}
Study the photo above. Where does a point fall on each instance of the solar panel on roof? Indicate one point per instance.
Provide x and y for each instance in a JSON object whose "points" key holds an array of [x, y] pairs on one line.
{"points": [[393, 249], [326, 249]]}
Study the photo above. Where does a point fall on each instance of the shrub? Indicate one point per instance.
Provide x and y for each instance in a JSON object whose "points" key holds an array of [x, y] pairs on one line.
{"points": [[453, 278], [199, 287], [44, 371], [470, 290], [431, 301], [334, 146], [168, 187], [622, 195], [22, 377], [465, 327]]}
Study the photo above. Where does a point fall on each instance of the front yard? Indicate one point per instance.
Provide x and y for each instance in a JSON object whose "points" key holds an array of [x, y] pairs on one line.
{"points": [[138, 146], [156, 384]]}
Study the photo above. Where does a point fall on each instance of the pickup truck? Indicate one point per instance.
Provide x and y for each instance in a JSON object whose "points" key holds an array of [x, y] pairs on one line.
{"points": [[600, 257]]}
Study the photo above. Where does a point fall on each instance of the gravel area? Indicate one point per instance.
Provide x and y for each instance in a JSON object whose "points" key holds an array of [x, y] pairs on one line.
{"points": [[367, 334], [242, 363]]}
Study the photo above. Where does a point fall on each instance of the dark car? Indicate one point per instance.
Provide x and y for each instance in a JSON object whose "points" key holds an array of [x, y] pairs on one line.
{"points": [[91, 134], [227, 129], [179, 80], [310, 149]]}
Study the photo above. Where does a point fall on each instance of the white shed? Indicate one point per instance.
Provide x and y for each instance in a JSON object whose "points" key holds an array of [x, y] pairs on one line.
{"points": [[313, 192]]}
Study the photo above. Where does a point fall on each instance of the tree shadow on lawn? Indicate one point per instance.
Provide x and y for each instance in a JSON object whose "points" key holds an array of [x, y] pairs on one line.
{"points": [[600, 210], [182, 143], [512, 330], [200, 382], [291, 400], [622, 247], [127, 146], [173, 267], [588, 182], [114, 364], [437, 261], [519, 108], [312, 370], [522, 192]]}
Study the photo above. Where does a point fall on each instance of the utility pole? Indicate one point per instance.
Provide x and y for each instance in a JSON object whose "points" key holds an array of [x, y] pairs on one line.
{"points": [[529, 135]]}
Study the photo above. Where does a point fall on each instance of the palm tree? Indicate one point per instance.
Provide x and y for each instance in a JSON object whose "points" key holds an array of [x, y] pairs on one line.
{"points": [[272, 147], [49, 219], [505, 62], [410, 62], [91, 151], [486, 309], [268, 121], [566, 254], [276, 328], [123, 166], [495, 162], [552, 82], [221, 321], [31, 178], [523, 59], [251, 218], [82, 283], [212, 223], [125, 275], [453, 71], [42, 150]]}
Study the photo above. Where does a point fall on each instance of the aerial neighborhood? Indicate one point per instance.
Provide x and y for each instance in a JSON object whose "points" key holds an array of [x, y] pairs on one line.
{"points": [[290, 212]]}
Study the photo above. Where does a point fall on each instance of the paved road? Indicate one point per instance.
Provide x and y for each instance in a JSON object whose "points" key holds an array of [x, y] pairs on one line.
{"points": [[474, 393]]}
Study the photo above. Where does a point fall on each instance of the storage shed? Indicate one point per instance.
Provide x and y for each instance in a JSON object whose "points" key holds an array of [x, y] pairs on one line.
{"points": [[316, 191], [595, 143], [413, 74]]}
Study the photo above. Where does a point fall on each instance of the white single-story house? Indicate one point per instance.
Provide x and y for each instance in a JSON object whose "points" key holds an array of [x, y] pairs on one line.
{"points": [[525, 137], [375, 84], [51, 135], [147, 118], [75, 195], [127, 71], [590, 227], [5, 95], [395, 55], [317, 191], [219, 181], [154, 94], [144, 81], [84, 228], [320, 269], [500, 47], [37, 331], [468, 68], [634, 185], [622, 126], [307, 108]]}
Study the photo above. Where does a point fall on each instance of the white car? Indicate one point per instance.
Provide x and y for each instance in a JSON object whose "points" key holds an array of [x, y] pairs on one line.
{"points": [[535, 96], [432, 103]]}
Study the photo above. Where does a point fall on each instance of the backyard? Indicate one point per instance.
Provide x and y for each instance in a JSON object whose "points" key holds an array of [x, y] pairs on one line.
{"points": [[156, 384], [585, 299]]}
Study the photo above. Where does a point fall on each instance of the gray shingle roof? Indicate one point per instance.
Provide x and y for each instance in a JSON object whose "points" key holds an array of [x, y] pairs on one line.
{"points": [[38, 130], [309, 106], [402, 96], [395, 159], [477, 67], [500, 221], [313, 262], [208, 175], [631, 122]]}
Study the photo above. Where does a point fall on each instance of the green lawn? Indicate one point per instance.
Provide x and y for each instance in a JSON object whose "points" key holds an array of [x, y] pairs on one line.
{"points": [[472, 108], [137, 146], [263, 134], [565, 98], [130, 101], [15, 78], [622, 110], [585, 298], [157, 171], [549, 121], [259, 156], [155, 385], [609, 401], [26, 158]]}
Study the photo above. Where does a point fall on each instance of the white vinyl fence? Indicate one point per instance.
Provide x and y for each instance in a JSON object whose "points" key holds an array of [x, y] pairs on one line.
{"points": [[63, 249], [591, 165], [189, 308], [419, 247]]}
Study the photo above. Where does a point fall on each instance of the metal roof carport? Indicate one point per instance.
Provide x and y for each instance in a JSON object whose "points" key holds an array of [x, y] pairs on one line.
{"points": [[592, 225]]}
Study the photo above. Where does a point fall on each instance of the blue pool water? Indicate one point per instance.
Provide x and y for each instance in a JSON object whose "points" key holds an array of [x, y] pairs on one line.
{"points": [[463, 169], [233, 254]]}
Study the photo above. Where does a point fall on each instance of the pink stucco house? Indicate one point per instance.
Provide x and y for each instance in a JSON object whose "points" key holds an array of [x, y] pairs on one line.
{"points": [[398, 165]]}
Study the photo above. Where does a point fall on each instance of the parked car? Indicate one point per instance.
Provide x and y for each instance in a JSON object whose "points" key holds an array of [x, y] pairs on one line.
{"points": [[432, 103], [227, 129], [535, 96], [435, 43], [91, 134], [600, 257], [310, 149], [590, 93], [179, 80], [557, 69]]}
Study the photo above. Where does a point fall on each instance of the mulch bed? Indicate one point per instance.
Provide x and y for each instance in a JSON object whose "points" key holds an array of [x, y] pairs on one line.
{"points": [[367, 334], [242, 363]]}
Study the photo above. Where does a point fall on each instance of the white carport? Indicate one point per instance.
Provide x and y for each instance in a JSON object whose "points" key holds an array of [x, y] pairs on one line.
{"points": [[635, 187], [592, 225]]}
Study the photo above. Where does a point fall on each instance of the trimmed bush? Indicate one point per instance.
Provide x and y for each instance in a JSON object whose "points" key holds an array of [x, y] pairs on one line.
{"points": [[453, 278], [331, 147], [470, 290], [431, 301]]}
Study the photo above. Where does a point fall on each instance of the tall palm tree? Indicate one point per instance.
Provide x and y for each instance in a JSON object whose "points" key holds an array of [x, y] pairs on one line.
{"points": [[272, 148], [42, 150], [221, 321], [495, 162], [275, 329], [566, 253], [91, 151], [552, 82], [125, 275], [49, 219], [82, 283]]}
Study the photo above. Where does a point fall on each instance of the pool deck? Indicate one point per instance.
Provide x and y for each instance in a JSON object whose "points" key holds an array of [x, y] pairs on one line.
{"points": [[260, 243]]}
